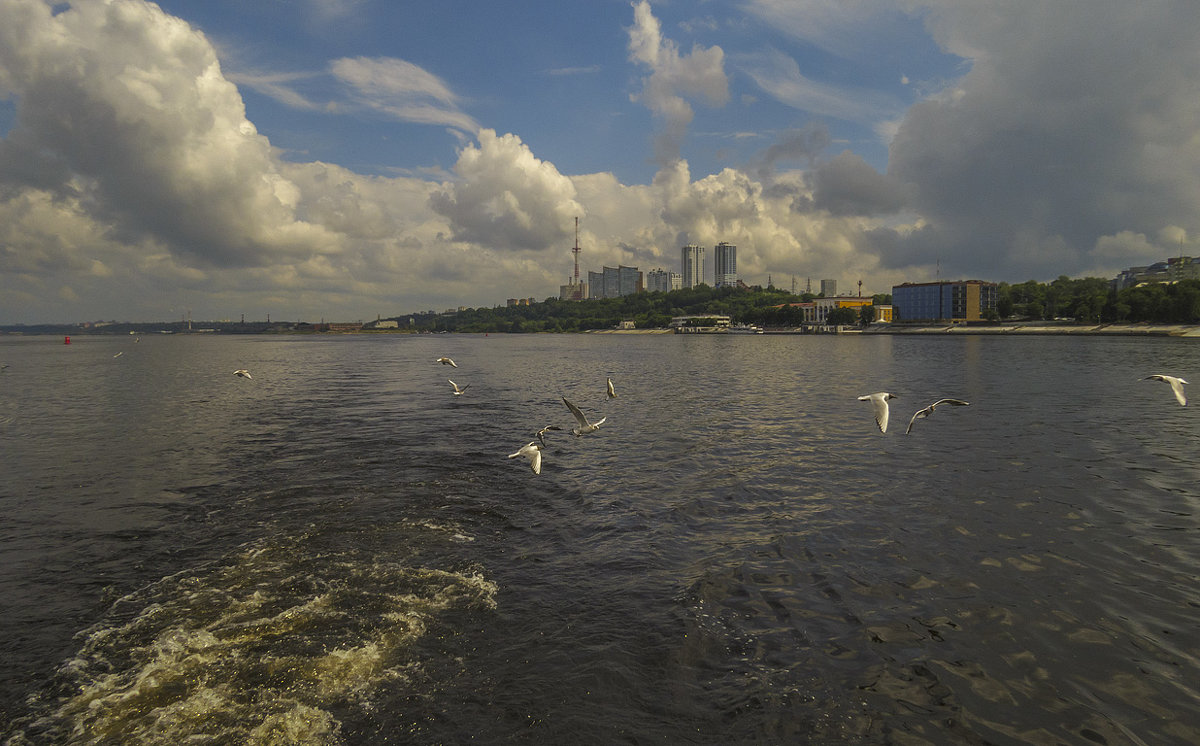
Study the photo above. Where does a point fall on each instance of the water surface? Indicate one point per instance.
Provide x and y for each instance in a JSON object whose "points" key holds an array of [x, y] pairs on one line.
{"points": [[338, 551]]}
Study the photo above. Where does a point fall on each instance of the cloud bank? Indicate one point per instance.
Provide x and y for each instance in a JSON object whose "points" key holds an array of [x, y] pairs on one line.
{"points": [[133, 185]]}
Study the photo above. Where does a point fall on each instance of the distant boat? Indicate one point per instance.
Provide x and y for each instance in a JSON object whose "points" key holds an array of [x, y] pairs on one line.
{"points": [[745, 329]]}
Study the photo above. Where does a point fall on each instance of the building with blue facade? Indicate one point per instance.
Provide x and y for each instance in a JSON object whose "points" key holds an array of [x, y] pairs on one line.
{"points": [[954, 302]]}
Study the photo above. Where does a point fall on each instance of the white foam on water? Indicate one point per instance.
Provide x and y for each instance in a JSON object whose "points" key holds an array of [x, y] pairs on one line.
{"points": [[259, 648]]}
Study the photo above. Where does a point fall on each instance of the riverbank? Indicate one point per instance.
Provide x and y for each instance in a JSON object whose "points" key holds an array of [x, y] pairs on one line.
{"points": [[1134, 330]]}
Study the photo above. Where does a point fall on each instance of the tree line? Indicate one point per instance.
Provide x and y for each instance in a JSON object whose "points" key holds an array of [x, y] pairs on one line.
{"points": [[1086, 300], [1094, 300]]}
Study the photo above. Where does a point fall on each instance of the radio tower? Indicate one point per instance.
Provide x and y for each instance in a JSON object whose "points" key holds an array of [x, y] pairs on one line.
{"points": [[575, 250]]}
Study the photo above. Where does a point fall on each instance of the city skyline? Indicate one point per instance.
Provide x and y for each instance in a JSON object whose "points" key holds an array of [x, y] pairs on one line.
{"points": [[345, 159]]}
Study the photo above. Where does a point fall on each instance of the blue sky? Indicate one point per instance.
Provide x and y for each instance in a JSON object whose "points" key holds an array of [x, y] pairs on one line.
{"points": [[344, 159]]}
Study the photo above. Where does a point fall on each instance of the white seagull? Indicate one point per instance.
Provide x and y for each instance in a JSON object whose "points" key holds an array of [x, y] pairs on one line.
{"points": [[541, 434], [458, 390], [446, 361], [923, 413], [533, 452], [119, 354], [243, 373], [1176, 386], [880, 402], [611, 393], [585, 427]]}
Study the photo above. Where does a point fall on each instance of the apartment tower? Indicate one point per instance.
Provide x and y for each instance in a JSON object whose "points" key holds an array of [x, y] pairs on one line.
{"points": [[692, 265]]}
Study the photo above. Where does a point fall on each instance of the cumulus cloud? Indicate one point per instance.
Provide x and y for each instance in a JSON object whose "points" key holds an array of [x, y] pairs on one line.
{"points": [[1077, 120], [673, 76], [506, 198], [848, 185], [804, 145], [131, 177], [125, 109]]}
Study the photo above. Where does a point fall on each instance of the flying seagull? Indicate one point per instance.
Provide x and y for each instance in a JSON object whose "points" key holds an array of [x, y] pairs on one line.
{"points": [[923, 413], [880, 402], [611, 394], [119, 354], [585, 427], [541, 434], [446, 361], [533, 452], [243, 373], [1176, 386], [458, 390]]}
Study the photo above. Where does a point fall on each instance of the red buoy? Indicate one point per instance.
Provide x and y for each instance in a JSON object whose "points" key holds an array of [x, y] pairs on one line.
{"points": [[66, 340]]}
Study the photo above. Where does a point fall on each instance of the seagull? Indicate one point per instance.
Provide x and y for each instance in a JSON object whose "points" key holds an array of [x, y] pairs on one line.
{"points": [[119, 354], [533, 452], [541, 434], [458, 390], [446, 361], [243, 373], [611, 394], [585, 427], [1176, 386], [880, 402], [921, 414]]}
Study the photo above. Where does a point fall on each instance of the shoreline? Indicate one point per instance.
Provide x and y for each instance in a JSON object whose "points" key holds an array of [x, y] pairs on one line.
{"points": [[1125, 330], [1029, 329]]}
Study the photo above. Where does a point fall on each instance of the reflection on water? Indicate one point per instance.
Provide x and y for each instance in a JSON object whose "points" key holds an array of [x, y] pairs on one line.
{"points": [[338, 551]]}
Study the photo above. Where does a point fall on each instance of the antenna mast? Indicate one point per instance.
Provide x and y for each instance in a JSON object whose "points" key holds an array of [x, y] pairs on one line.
{"points": [[575, 250]]}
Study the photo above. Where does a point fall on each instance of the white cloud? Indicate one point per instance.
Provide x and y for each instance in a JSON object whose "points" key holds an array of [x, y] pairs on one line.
{"points": [[673, 76], [506, 198], [132, 178], [402, 90], [780, 77], [847, 28], [1077, 120]]}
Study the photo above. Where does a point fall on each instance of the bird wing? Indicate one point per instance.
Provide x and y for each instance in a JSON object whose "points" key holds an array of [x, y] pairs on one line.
{"points": [[455, 385], [575, 411], [612, 393], [920, 413], [882, 412], [1177, 387], [535, 461], [955, 402], [599, 422]]}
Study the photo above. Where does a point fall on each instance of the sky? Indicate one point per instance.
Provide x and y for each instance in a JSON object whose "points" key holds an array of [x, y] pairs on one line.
{"points": [[353, 159]]}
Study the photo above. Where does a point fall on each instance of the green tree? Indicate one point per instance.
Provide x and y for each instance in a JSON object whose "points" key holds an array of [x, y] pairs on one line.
{"points": [[841, 317]]}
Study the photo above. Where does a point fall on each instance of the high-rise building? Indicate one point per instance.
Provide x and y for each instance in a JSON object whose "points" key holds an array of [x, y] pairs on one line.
{"points": [[629, 280], [725, 265], [692, 265], [614, 282], [596, 284], [676, 280], [828, 288], [658, 280]]}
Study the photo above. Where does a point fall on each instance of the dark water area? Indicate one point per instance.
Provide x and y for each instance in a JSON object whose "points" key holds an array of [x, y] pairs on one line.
{"points": [[338, 551]]}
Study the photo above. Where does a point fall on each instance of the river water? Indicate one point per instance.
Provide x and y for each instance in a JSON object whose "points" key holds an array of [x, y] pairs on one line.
{"points": [[337, 551]]}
